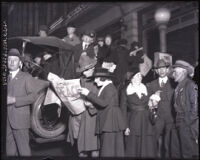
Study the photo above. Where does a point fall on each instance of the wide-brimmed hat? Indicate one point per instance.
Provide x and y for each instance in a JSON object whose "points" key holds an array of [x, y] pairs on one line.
{"points": [[161, 63], [131, 72], [85, 63], [14, 52], [185, 65], [102, 72]]}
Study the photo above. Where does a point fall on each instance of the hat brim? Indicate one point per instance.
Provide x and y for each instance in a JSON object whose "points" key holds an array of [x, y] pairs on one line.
{"points": [[103, 75], [189, 69], [16, 55], [154, 67], [86, 68]]}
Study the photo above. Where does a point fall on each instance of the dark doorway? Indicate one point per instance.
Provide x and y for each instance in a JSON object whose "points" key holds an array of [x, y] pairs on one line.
{"points": [[113, 29], [182, 44]]}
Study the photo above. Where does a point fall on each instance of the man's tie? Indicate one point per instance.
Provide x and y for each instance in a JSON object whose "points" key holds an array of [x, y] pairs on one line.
{"points": [[162, 84], [85, 46], [9, 77]]}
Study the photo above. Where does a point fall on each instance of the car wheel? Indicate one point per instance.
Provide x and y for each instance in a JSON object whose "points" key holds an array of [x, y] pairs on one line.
{"points": [[45, 121]]}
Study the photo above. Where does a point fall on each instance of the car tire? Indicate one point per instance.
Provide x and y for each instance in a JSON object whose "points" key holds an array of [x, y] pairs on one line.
{"points": [[36, 125]]}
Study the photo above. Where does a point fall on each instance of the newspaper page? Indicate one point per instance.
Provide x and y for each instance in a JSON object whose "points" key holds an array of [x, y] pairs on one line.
{"points": [[68, 93]]}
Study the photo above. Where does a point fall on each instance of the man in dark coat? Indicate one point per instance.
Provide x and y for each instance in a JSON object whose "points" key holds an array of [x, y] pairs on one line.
{"points": [[122, 62], [164, 123], [85, 47], [22, 92], [186, 108]]}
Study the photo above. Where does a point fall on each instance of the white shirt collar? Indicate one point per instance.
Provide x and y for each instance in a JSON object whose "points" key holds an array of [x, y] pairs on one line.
{"points": [[164, 79], [14, 73], [84, 44], [104, 85]]}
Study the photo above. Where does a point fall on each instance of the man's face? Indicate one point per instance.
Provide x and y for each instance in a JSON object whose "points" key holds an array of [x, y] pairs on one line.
{"points": [[42, 33], [108, 40], [87, 39], [37, 60], [179, 74], [13, 63], [101, 43], [71, 30], [162, 72], [88, 73]]}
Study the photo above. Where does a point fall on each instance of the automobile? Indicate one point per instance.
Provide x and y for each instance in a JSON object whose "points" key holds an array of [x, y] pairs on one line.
{"points": [[46, 124]]}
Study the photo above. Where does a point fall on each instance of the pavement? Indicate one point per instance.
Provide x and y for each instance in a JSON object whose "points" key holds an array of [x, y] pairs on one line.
{"points": [[51, 149]]}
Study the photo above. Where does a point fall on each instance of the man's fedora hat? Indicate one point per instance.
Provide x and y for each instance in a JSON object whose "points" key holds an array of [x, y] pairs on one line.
{"points": [[86, 63], [161, 63], [14, 52], [185, 65]]}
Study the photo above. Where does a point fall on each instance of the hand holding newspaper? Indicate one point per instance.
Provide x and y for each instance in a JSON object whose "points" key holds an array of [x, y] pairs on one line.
{"points": [[67, 91]]}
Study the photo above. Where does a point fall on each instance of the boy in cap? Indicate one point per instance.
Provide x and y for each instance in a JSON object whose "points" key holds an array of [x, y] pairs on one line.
{"points": [[186, 108], [163, 87], [43, 31], [71, 37]]}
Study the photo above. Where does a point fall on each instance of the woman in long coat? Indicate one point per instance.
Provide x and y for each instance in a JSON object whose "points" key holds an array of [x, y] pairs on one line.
{"points": [[140, 136], [87, 139], [110, 123]]}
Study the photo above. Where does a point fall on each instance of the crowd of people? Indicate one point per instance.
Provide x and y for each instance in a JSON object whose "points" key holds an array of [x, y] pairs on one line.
{"points": [[124, 117]]}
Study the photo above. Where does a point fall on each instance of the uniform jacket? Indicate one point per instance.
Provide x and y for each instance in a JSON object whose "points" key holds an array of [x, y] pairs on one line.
{"points": [[109, 115], [165, 105], [78, 50], [186, 101], [24, 88]]}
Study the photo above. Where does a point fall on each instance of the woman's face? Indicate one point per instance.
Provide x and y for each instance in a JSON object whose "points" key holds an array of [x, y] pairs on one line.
{"points": [[87, 39], [98, 81], [108, 40], [89, 72], [137, 78]]}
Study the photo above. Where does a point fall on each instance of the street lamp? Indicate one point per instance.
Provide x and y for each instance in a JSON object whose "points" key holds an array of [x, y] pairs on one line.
{"points": [[162, 16]]}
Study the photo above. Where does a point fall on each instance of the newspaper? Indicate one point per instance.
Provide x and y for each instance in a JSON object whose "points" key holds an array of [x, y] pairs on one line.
{"points": [[165, 56], [110, 66], [68, 93], [146, 65]]}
